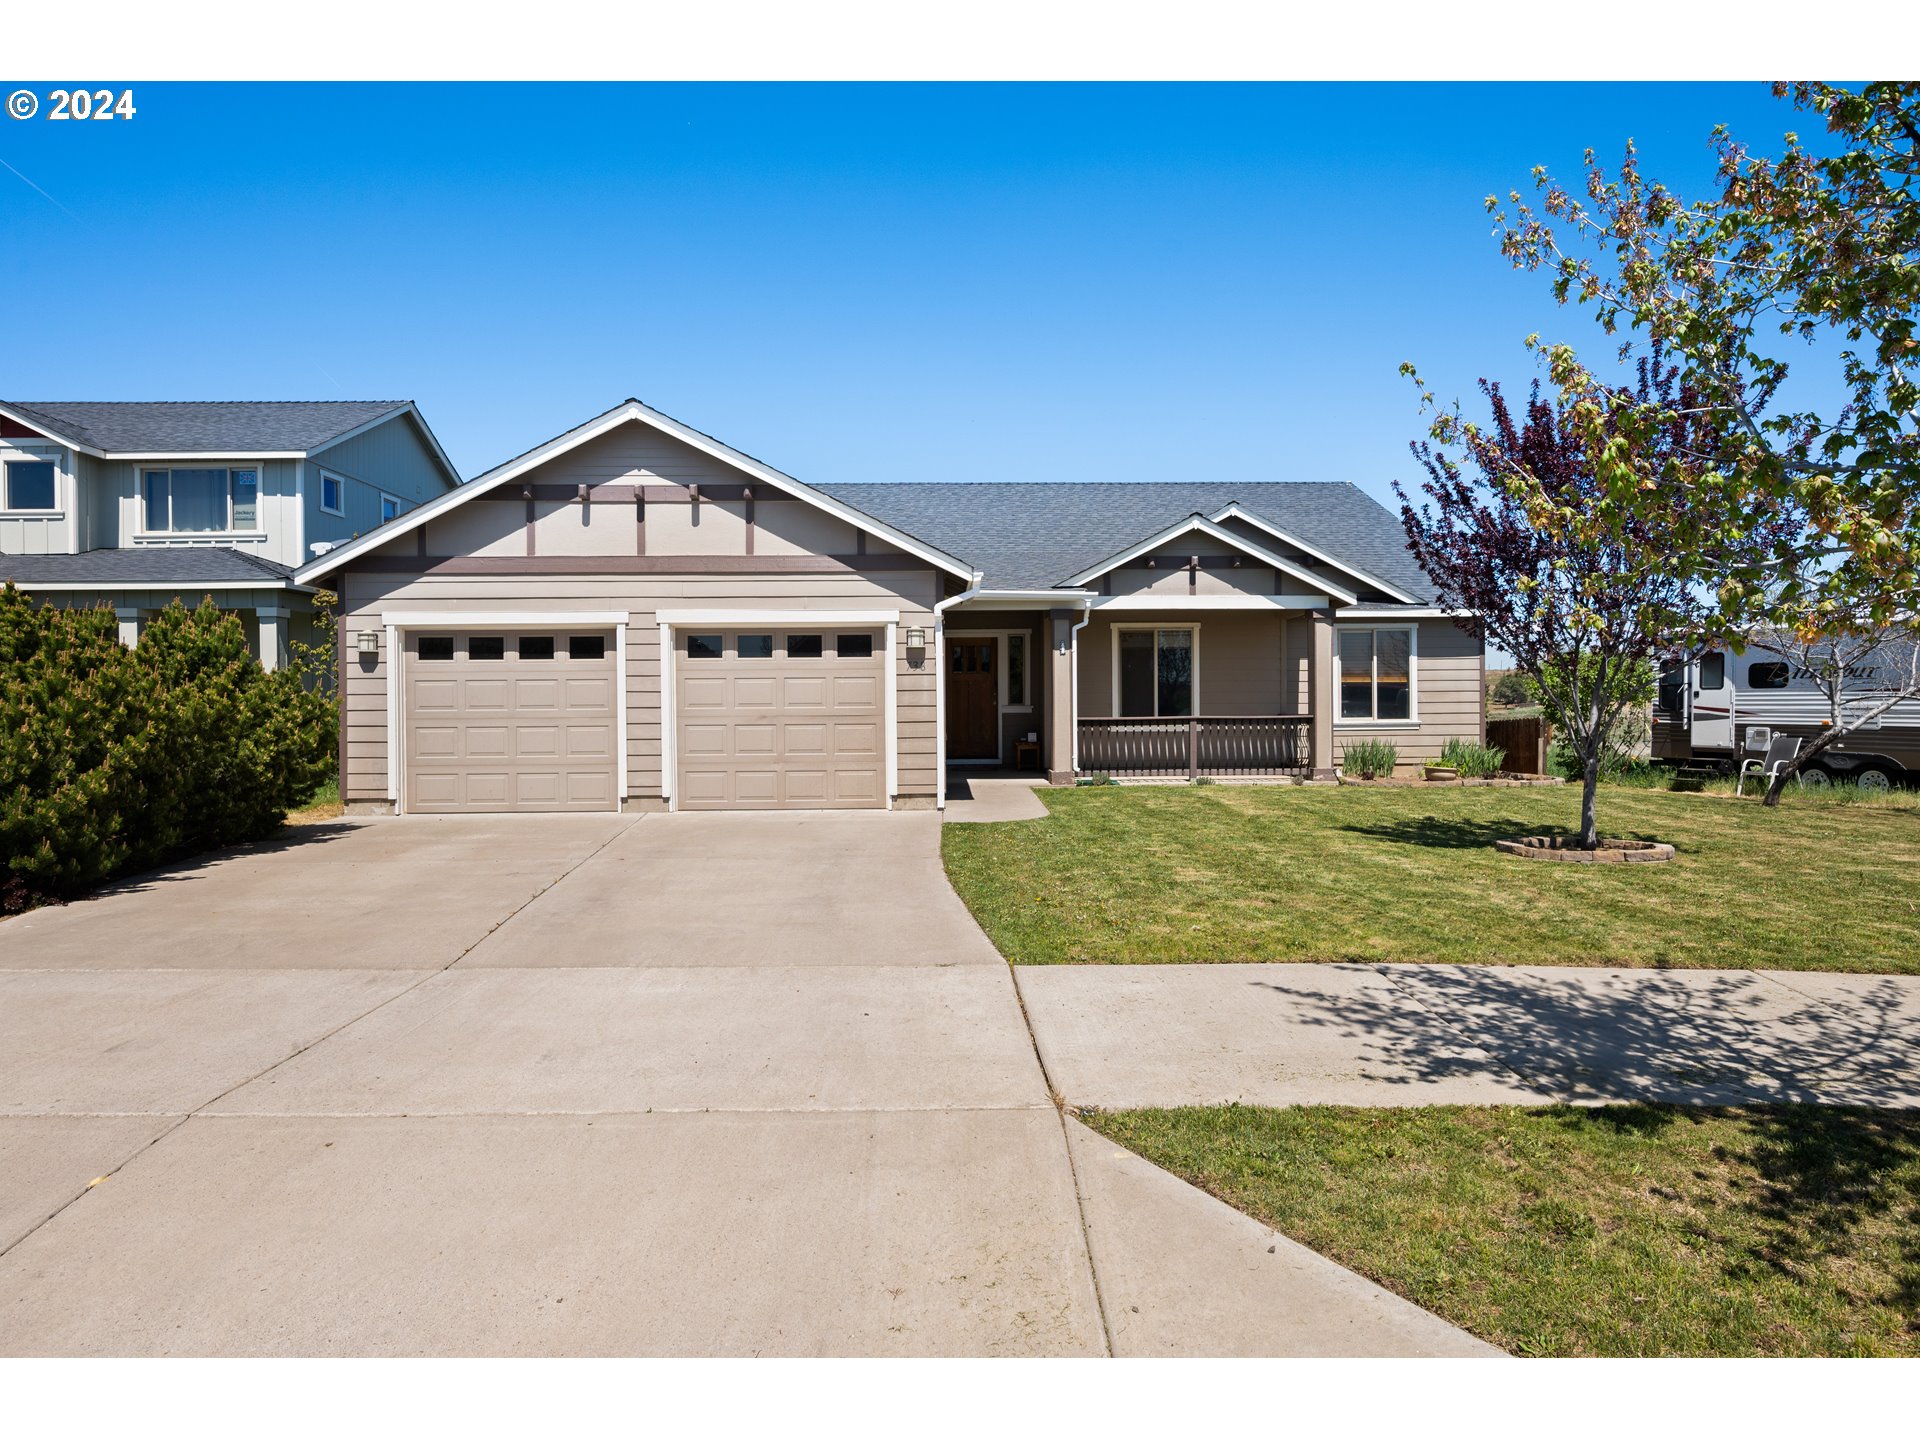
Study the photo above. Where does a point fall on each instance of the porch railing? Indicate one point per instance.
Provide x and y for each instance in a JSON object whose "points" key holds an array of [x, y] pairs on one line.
{"points": [[1196, 745]]}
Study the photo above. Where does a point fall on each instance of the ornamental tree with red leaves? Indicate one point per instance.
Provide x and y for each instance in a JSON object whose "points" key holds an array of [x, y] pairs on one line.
{"points": [[1518, 534]]}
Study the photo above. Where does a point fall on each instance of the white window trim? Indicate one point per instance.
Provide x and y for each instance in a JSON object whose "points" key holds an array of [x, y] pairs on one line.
{"points": [[1412, 722], [1113, 695], [1003, 685], [398, 623], [258, 530], [57, 510], [399, 506], [341, 481]]}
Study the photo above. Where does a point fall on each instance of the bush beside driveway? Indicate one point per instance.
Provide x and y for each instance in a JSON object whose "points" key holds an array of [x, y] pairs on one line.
{"points": [[1230, 874]]}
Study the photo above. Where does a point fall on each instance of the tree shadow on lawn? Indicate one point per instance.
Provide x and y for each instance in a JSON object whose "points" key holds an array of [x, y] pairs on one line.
{"points": [[1826, 1088], [1438, 833]]}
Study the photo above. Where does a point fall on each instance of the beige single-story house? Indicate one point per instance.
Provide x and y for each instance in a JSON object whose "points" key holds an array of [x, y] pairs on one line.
{"points": [[635, 615]]}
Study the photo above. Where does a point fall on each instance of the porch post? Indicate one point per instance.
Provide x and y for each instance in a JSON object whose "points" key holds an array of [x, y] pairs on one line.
{"points": [[273, 636], [1323, 693], [1060, 698], [130, 622]]}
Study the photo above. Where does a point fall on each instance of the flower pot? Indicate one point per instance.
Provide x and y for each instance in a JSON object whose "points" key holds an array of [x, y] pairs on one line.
{"points": [[1442, 772]]}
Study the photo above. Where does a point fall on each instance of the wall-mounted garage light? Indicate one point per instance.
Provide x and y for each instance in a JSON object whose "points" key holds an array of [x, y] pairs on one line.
{"points": [[368, 644], [916, 638]]}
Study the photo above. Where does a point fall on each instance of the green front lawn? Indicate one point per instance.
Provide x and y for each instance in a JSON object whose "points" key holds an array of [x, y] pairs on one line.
{"points": [[1629, 1230], [1125, 875]]}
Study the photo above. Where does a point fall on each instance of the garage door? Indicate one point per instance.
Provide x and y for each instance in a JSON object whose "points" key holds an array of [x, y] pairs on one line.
{"points": [[504, 721], [781, 719]]}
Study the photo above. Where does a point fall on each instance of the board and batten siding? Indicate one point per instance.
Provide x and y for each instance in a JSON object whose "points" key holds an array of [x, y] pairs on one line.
{"points": [[681, 542], [58, 531], [393, 458]]}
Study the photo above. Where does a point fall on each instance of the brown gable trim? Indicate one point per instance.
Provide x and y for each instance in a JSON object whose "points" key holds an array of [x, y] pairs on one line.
{"points": [[634, 564], [609, 491], [11, 429]]}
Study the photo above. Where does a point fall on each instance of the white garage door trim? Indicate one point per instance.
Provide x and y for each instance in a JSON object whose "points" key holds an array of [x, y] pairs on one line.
{"points": [[670, 620], [400, 622]]}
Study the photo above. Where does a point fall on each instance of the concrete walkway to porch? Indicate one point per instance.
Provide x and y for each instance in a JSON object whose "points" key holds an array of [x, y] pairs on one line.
{"points": [[982, 799]]}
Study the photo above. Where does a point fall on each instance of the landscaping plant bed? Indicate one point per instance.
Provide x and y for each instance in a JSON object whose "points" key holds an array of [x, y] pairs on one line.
{"points": [[1566, 848]]}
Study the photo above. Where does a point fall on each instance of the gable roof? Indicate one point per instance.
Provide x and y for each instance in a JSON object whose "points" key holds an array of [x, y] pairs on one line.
{"points": [[633, 410], [111, 427], [1204, 526], [1038, 534], [161, 566]]}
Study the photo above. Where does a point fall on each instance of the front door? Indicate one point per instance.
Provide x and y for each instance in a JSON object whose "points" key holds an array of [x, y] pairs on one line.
{"points": [[973, 698]]}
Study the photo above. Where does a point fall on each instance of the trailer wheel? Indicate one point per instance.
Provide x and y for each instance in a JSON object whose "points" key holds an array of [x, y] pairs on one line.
{"points": [[1815, 778], [1873, 779]]}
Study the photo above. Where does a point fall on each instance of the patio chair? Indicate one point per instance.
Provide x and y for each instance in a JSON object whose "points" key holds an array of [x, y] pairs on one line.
{"points": [[1780, 752]]}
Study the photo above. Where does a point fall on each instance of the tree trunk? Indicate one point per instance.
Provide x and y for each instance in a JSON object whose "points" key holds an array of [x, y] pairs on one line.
{"points": [[1787, 772], [1590, 804]]}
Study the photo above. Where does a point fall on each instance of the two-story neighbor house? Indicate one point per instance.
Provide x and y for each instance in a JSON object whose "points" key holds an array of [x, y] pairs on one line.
{"points": [[635, 615], [137, 504]]}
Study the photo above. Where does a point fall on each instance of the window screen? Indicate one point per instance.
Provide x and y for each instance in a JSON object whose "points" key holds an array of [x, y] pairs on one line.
{"points": [[1356, 674]]}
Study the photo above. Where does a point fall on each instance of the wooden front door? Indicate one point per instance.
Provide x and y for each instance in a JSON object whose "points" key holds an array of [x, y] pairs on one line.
{"points": [[973, 698]]}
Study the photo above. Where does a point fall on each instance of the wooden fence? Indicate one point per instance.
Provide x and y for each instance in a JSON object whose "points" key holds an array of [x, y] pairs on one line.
{"points": [[1525, 742]]}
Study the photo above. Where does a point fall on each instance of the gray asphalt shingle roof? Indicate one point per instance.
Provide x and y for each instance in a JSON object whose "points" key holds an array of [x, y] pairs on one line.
{"points": [[159, 566], [1033, 535], [187, 426]]}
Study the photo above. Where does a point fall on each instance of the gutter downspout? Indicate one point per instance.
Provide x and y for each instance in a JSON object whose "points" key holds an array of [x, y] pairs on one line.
{"points": [[1073, 682], [940, 685]]}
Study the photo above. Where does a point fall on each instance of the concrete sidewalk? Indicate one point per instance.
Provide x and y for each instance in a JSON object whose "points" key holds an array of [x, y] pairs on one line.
{"points": [[673, 1085], [1122, 1036]]}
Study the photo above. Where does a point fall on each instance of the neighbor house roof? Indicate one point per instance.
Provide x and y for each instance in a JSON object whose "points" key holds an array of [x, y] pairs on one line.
{"points": [[155, 566], [205, 426], [1036, 535]]}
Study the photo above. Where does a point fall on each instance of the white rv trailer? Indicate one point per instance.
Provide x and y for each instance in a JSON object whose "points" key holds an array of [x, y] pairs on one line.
{"points": [[1718, 709]]}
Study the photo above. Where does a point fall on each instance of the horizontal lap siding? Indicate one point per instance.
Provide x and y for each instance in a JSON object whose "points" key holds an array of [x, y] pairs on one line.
{"points": [[1242, 655], [370, 597], [1447, 680]]}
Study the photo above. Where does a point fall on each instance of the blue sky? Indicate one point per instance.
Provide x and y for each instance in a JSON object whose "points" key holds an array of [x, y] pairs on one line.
{"points": [[881, 282]]}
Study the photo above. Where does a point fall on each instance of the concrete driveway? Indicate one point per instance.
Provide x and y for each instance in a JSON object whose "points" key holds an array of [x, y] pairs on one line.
{"points": [[690, 1084]]}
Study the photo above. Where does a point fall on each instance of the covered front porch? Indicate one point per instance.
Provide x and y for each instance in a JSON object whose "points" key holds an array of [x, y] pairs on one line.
{"points": [[1179, 693]]}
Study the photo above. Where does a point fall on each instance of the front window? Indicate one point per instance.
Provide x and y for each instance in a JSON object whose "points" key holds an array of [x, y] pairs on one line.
{"points": [[198, 501], [333, 497], [29, 485], [1156, 672], [1376, 674], [1016, 670]]}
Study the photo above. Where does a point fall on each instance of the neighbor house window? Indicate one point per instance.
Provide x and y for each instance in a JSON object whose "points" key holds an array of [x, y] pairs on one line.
{"points": [[198, 501], [389, 507], [333, 494], [1376, 674], [1016, 670], [29, 485], [1156, 672]]}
